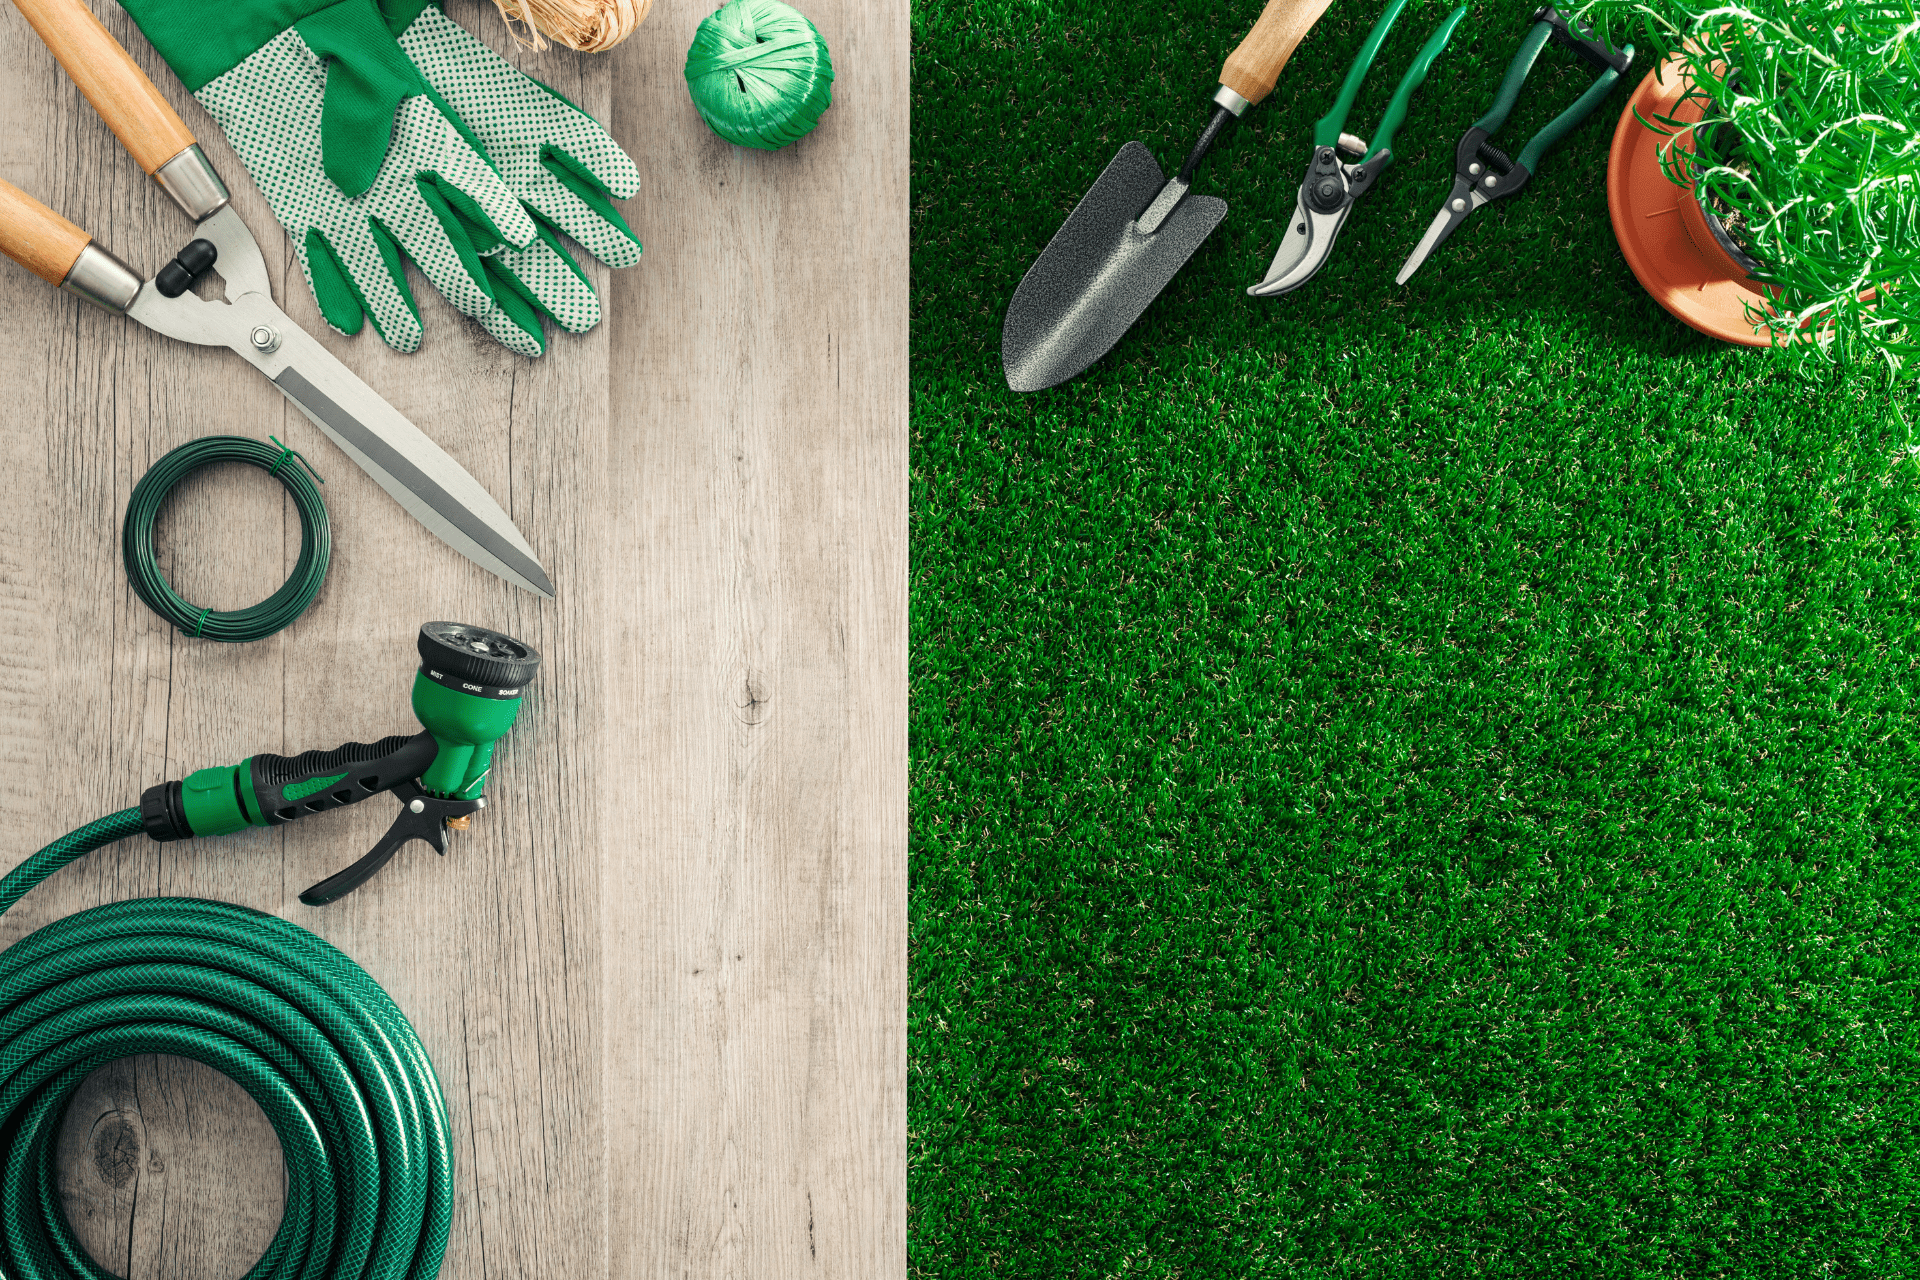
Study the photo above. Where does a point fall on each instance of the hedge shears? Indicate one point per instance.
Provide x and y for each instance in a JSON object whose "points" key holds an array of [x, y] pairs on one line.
{"points": [[1331, 187], [416, 472], [1482, 173]]}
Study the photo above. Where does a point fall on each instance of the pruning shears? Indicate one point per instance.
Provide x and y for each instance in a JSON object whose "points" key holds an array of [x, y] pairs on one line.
{"points": [[1331, 187], [1482, 173]]}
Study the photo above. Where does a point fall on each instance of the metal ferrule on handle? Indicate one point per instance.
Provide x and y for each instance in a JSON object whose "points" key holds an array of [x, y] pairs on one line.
{"points": [[1225, 97], [136, 111], [61, 253], [1255, 64], [190, 179], [102, 279]]}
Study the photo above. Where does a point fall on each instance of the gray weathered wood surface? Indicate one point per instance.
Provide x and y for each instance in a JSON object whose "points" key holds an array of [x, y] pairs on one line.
{"points": [[663, 979], [758, 832]]}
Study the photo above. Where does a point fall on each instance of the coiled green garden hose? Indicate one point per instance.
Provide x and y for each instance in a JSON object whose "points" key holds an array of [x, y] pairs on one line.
{"points": [[256, 622], [329, 1057]]}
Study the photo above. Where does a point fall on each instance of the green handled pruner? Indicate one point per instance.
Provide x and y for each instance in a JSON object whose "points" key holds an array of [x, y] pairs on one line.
{"points": [[1482, 173], [1332, 185]]}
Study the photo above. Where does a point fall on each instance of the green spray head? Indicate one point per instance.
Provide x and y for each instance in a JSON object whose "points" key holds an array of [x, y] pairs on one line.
{"points": [[466, 693]]}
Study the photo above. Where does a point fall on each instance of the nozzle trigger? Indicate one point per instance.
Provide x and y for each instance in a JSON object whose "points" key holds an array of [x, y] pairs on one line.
{"points": [[421, 817]]}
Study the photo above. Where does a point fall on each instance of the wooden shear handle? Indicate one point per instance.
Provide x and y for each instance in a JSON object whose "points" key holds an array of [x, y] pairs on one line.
{"points": [[118, 89], [36, 237], [62, 254]]}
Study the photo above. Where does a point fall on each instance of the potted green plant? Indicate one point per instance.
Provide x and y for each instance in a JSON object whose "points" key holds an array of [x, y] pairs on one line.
{"points": [[1785, 135]]}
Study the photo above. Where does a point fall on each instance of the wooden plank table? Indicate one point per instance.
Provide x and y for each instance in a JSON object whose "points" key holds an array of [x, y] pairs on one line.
{"points": [[663, 978]]}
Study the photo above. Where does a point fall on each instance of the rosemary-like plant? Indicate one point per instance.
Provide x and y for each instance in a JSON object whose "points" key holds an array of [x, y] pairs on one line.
{"points": [[1809, 146]]}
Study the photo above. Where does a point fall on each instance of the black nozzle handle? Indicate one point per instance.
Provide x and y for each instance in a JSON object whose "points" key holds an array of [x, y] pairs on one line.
{"points": [[290, 787], [269, 790], [422, 817]]}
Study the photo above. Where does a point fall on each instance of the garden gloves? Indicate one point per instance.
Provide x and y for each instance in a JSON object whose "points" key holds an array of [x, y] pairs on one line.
{"points": [[376, 134], [555, 158]]}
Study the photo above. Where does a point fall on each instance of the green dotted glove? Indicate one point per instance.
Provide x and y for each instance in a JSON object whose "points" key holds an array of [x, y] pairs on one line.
{"points": [[360, 162], [556, 158]]}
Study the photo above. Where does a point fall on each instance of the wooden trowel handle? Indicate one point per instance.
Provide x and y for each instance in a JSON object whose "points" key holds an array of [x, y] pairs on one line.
{"points": [[1252, 69], [118, 89]]}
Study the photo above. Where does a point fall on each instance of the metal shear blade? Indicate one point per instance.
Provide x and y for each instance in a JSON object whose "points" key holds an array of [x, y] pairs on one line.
{"points": [[1303, 250], [1463, 201]]}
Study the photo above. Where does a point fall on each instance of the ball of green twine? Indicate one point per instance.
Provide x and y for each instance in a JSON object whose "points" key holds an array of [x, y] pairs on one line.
{"points": [[759, 73], [278, 610]]}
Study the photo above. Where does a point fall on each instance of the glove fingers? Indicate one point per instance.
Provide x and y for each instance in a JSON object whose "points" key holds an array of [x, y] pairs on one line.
{"points": [[387, 297], [554, 155], [359, 278], [516, 318], [332, 286], [457, 209], [434, 146], [515, 326], [545, 275], [436, 239], [581, 209], [511, 112], [593, 150]]}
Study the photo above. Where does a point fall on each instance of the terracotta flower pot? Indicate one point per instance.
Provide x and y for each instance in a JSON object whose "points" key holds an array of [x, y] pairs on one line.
{"points": [[1684, 260]]}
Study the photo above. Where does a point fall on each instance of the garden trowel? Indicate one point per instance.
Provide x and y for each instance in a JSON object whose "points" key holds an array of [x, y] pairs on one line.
{"points": [[1135, 228]]}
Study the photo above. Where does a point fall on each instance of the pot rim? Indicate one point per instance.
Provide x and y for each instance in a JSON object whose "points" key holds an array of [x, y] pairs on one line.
{"points": [[1688, 269]]}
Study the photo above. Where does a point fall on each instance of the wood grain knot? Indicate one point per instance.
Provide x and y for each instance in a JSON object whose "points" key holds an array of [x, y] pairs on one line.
{"points": [[116, 1149], [756, 704]]}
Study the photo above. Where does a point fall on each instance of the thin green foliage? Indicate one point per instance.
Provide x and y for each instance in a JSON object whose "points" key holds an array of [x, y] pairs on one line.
{"points": [[1806, 133]]}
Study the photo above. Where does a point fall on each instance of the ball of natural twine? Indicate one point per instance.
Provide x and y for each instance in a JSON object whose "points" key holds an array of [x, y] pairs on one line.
{"points": [[759, 73], [587, 25]]}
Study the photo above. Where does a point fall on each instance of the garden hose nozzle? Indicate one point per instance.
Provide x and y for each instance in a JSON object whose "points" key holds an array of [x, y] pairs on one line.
{"points": [[466, 694]]}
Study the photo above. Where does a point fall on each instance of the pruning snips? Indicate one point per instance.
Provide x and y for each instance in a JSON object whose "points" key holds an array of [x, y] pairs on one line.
{"points": [[1482, 173], [1332, 185]]}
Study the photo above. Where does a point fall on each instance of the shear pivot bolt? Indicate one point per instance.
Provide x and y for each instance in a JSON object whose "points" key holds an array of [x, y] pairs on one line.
{"points": [[1459, 206], [1491, 181], [265, 339], [1474, 168], [417, 806]]}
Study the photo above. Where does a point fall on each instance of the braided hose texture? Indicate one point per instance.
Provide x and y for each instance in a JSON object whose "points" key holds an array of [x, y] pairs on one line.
{"points": [[325, 1052]]}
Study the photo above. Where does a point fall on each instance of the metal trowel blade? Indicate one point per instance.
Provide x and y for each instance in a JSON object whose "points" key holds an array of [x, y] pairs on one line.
{"points": [[1099, 272]]}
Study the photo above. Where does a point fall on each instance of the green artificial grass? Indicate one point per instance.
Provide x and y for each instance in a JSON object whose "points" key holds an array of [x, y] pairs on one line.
{"points": [[1406, 782]]}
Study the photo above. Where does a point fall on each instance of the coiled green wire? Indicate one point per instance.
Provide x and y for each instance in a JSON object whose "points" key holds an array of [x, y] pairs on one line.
{"points": [[278, 610], [331, 1060]]}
